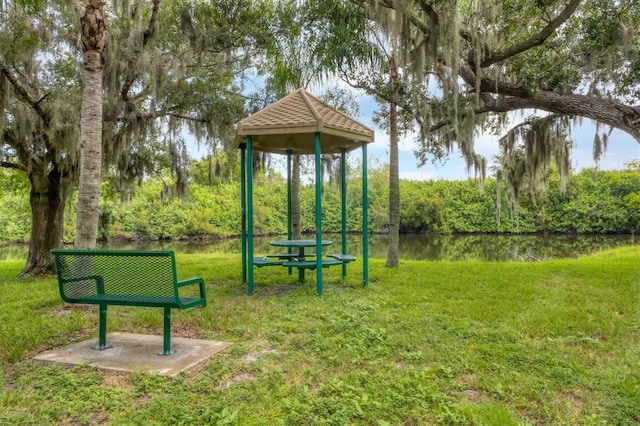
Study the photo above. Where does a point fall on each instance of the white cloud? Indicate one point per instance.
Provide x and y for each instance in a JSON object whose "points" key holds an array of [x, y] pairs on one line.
{"points": [[418, 174]]}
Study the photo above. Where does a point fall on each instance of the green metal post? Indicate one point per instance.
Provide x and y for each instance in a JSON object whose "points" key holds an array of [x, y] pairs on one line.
{"points": [[243, 211], [343, 172], [318, 215], [289, 177], [301, 270], [365, 220], [249, 166], [166, 345], [289, 221], [102, 331]]}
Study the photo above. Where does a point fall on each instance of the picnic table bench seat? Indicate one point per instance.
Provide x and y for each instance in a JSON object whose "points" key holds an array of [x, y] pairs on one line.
{"points": [[278, 259], [311, 264], [345, 258], [283, 256], [126, 278], [264, 261]]}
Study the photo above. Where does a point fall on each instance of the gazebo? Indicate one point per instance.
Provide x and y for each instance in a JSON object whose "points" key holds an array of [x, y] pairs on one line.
{"points": [[300, 124]]}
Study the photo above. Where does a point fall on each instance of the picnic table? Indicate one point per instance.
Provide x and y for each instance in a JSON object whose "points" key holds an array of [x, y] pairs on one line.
{"points": [[299, 260]]}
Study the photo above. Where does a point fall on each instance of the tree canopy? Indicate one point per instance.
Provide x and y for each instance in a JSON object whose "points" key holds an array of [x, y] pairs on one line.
{"points": [[170, 69], [474, 62]]}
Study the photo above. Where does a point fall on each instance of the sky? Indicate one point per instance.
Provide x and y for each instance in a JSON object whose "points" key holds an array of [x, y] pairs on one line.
{"points": [[621, 149]]}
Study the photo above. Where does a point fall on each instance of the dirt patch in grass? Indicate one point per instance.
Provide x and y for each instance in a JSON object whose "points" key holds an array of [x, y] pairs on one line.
{"points": [[277, 290], [191, 331], [256, 355], [238, 378], [117, 380], [68, 307], [471, 393]]}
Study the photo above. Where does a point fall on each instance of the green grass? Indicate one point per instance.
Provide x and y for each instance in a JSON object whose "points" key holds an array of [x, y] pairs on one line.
{"points": [[553, 342]]}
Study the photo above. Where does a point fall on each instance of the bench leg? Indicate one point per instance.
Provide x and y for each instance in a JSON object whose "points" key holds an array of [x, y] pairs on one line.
{"points": [[166, 349], [102, 336]]}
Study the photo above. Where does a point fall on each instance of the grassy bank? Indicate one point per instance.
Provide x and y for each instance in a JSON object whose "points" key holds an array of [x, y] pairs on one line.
{"points": [[553, 342]]}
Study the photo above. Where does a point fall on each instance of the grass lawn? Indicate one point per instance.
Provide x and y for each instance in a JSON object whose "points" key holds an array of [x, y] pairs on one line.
{"points": [[554, 342]]}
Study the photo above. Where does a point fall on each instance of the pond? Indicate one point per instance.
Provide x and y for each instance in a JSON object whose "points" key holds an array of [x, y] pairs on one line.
{"points": [[412, 247]]}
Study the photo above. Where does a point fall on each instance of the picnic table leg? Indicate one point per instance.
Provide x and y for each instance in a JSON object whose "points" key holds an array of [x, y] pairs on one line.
{"points": [[102, 333], [166, 350], [301, 270]]}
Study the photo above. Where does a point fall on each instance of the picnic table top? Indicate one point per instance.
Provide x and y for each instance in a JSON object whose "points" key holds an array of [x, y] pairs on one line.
{"points": [[298, 243]]}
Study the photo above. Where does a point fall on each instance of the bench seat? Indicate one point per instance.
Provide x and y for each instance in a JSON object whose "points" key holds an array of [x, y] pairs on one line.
{"points": [[282, 256], [311, 264], [132, 300], [263, 261], [346, 258]]}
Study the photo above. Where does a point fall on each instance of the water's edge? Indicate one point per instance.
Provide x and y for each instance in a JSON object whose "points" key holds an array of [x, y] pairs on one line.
{"points": [[485, 247]]}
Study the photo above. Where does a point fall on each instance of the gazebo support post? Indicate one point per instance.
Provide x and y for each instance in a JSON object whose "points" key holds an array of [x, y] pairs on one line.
{"points": [[289, 193], [343, 202], [318, 215], [249, 167], [289, 207], [365, 220], [243, 212]]}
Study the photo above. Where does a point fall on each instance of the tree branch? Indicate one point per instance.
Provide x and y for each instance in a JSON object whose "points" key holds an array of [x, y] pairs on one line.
{"points": [[148, 32], [430, 11], [147, 35], [15, 166], [25, 93], [186, 117], [515, 97], [535, 40]]}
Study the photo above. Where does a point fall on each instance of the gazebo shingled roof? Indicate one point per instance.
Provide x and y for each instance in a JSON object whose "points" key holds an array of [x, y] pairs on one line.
{"points": [[292, 122]]}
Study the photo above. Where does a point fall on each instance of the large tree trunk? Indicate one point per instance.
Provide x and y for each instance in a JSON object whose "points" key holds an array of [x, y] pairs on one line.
{"points": [[393, 256], [49, 194], [94, 40]]}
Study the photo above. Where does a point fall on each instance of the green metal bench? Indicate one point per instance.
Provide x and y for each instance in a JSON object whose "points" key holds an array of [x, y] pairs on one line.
{"points": [[127, 278]]}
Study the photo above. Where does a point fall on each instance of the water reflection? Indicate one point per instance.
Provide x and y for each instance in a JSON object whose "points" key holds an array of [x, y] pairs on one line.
{"points": [[412, 247]]}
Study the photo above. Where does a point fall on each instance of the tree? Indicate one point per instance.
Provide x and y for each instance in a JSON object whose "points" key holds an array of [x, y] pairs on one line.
{"points": [[473, 63], [38, 128], [352, 47], [393, 255], [166, 72], [94, 40]]}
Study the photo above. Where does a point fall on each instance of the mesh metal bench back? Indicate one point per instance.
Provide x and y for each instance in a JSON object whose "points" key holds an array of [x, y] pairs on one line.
{"points": [[144, 277]]}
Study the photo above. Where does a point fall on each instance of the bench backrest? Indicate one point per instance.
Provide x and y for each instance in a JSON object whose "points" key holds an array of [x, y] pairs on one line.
{"points": [[86, 273]]}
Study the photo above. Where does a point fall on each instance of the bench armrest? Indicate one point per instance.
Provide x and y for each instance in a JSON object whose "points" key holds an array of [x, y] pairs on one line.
{"points": [[188, 282], [66, 292]]}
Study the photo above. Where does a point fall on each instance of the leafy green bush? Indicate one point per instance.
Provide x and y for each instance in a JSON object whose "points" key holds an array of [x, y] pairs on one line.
{"points": [[594, 202]]}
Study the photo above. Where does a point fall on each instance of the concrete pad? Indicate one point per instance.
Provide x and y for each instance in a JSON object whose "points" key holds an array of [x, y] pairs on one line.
{"points": [[136, 352]]}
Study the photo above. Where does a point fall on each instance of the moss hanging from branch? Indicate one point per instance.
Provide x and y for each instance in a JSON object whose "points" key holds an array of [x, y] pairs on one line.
{"points": [[527, 153], [476, 61]]}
